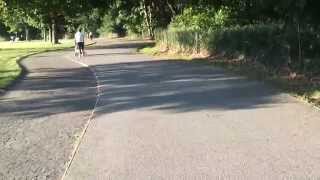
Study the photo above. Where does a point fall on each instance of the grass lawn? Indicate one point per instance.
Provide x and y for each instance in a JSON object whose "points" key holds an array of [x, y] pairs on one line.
{"points": [[11, 53]]}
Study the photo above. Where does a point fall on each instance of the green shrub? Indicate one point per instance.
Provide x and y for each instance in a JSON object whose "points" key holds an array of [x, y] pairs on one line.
{"points": [[200, 20], [3, 39], [309, 47], [109, 26], [269, 44], [188, 32], [4, 32], [181, 40], [264, 43]]}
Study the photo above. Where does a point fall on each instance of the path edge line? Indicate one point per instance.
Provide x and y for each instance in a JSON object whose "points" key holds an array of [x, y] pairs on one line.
{"points": [[79, 140]]}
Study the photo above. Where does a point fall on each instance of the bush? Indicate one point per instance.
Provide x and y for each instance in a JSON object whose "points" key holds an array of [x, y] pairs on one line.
{"points": [[264, 43], [181, 40], [201, 20], [3, 39], [188, 31], [271, 45], [309, 47], [4, 34], [110, 26], [107, 26]]}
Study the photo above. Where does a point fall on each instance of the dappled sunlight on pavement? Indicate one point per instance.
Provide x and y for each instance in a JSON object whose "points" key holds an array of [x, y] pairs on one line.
{"points": [[42, 115], [170, 119]]}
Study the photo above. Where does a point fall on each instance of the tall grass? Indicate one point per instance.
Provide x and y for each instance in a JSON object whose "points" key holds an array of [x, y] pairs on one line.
{"points": [[263, 43], [181, 41], [268, 52], [269, 44]]}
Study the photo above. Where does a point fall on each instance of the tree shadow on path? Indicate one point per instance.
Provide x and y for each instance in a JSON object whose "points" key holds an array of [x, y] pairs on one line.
{"points": [[177, 86], [45, 92]]}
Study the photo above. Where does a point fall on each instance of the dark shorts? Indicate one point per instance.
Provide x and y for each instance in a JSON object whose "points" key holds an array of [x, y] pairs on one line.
{"points": [[80, 45]]}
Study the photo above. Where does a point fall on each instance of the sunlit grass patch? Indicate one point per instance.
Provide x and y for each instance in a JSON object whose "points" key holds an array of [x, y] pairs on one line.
{"points": [[11, 53], [34, 45]]}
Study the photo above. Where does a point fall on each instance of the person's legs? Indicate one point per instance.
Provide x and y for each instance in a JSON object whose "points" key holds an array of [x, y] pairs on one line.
{"points": [[76, 49], [82, 48]]}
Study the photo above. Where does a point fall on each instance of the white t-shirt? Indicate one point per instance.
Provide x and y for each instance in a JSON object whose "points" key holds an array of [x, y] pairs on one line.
{"points": [[79, 37]]}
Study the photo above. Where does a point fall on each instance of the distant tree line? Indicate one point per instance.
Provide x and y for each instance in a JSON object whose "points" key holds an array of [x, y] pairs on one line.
{"points": [[275, 32], [56, 17]]}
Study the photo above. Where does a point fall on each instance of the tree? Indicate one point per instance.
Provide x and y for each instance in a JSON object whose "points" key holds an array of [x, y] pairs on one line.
{"points": [[53, 15]]}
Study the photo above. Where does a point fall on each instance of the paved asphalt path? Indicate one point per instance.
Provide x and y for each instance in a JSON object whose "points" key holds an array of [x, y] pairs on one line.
{"points": [[167, 120], [42, 116], [154, 120]]}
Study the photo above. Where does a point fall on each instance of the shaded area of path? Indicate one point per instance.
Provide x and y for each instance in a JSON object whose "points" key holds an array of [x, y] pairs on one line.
{"points": [[159, 119], [42, 116], [177, 87], [156, 119]]}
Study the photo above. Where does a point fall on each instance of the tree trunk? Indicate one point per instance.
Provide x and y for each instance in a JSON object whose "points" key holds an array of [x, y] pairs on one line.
{"points": [[171, 9], [50, 33], [27, 33], [45, 38], [148, 18], [43, 34], [54, 33], [151, 7], [299, 45]]}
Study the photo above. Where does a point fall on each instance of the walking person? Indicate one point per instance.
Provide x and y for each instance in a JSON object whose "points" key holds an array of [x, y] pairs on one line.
{"points": [[90, 35], [79, 43]]}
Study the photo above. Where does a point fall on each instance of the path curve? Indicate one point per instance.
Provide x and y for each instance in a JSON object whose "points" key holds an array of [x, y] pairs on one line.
{"points": [[160, 119], [156, 119], [42, 117]]}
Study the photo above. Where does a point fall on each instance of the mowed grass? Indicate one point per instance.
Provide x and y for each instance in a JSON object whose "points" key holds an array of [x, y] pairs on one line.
{"points": [[11, 53]]}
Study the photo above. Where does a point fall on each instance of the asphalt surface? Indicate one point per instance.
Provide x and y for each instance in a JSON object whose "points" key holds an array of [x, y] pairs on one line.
{"points": [[155, 119], [42, 116], [161, 120]]}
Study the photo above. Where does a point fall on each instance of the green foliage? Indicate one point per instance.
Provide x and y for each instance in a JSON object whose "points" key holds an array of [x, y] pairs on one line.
{"points": [[195, 19], [233, 27], [269, 44], [56, 16], [89, 21], [109, 25], [134, 21], [180, 40], [272, 45], [188, 32], [304, 48], [4, 35], [264, 43]]}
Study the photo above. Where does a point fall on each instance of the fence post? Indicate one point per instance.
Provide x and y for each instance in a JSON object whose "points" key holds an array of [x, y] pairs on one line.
{"points": [[197, 42], [166, 38]]}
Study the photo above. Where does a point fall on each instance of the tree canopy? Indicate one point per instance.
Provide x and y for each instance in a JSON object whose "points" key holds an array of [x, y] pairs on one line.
{"points": [[145, 16]]}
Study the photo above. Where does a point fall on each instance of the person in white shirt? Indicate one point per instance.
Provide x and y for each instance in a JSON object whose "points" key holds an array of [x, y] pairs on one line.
{"points": [[79, 40]]}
